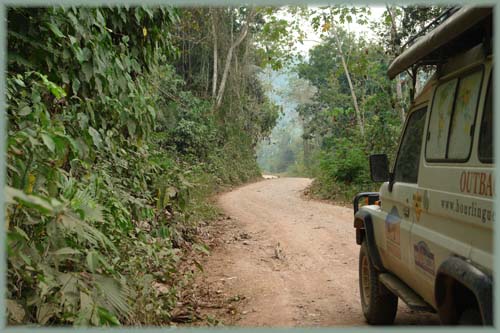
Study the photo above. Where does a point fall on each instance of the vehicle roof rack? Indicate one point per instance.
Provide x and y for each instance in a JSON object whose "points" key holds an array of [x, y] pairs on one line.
{"points": [[458, 30], [432, 25]]}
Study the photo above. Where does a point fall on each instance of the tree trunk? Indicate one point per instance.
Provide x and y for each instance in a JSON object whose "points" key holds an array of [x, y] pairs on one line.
{"points": [[363, 102], [306, 151], [206, 76], [418, 85], [216, 56], [227, 64], [399, 98], [351, 87], [395, 45], [413, 75], [395, 50]]}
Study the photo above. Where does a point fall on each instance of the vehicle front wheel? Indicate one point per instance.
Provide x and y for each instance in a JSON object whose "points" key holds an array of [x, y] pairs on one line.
{"points": [[378, 303]]}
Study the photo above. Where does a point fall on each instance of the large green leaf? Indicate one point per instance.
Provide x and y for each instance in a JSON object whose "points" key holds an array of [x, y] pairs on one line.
{"points": [[29, 200], [48, 141], [96, 137], [66, 251], [93, 261], [56, 90], [55, 30], [22, 233], [84, 231], [24, 111], [115, 294], [88, 71], [107, 318], [87, 309]]}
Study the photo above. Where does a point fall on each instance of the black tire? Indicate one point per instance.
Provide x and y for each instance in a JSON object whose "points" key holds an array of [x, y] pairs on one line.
{"points": [[378, 303], [470, 317]]}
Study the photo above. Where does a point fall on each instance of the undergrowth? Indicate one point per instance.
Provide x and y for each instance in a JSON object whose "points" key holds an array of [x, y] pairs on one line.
{"points": [[110, 164]]}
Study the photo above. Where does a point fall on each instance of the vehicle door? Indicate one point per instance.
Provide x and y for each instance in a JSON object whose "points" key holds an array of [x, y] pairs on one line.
{"points": [[397, 196]]}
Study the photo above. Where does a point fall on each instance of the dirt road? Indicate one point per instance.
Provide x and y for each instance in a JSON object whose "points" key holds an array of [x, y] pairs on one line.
{"points": [[287, 261]]}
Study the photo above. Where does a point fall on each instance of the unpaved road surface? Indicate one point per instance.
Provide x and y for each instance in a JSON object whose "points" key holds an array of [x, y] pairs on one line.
{"points": [[285, 261]]}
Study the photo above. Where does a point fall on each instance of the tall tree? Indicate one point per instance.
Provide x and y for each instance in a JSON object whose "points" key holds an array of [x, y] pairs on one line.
{"points": [[214, 19], [359, 118], [327, 20], [395, 41], [229, 57]]}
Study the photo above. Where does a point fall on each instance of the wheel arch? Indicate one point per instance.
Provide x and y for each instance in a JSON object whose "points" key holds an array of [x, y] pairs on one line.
{"points": [[364, 230], [456, 281]]}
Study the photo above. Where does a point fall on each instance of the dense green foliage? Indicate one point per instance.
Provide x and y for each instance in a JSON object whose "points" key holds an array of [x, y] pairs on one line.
{"points": [[113, 148], [348, 107], [340, 153]]}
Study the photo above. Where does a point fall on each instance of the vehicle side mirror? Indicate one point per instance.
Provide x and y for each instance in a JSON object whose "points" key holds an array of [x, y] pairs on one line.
{"points": [[379, 167]]}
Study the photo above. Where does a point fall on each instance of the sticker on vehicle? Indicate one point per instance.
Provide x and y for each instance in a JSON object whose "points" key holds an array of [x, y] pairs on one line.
{"points": [[424, 258], [392, 233]]}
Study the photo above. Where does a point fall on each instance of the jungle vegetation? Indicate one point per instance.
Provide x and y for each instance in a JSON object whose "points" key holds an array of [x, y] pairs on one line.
{"points": [[341, 98]]}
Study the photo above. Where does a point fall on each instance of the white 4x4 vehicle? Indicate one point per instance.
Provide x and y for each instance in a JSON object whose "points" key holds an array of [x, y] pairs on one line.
{"points": [[427, 236]]}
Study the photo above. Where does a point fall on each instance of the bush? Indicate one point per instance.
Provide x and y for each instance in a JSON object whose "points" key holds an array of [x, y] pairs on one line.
{"points": [[342, 169]]}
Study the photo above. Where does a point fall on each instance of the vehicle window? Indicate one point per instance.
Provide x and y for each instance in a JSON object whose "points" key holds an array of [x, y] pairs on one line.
{"points": [[408, 160], [440, 120], [464, 115], [486, 136]]}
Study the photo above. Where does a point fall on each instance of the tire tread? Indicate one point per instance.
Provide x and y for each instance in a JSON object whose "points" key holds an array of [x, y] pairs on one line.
{"points": [[383, 303]]}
